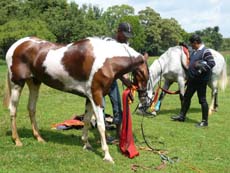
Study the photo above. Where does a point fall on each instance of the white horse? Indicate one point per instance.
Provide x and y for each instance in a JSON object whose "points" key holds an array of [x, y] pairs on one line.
{"points": [[171, 66]]}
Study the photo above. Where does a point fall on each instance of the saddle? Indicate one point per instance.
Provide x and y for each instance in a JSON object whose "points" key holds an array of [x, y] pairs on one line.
{"points": [[186, 51]]}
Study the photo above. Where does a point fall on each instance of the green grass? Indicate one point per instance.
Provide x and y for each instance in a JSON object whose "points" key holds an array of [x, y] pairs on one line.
{"points": [[199, 150]]}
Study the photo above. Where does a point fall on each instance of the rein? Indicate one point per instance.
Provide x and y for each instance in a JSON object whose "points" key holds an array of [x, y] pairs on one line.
{"points": [[161, 152], [164, 158]]}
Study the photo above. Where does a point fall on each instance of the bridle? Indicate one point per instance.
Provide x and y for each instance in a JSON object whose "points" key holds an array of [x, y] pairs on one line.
{"points": [[142, 92]]}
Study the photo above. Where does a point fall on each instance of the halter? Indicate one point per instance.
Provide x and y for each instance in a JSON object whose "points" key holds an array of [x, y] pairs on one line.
{"points": [[142, 92]]}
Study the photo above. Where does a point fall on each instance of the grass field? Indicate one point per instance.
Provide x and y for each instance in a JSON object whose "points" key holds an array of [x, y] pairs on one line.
{"points": [[201, 150]]}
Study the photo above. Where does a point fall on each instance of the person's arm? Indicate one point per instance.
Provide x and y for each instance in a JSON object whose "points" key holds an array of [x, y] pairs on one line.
{"points": [[208, 57], [125, 80], [207, 62]]}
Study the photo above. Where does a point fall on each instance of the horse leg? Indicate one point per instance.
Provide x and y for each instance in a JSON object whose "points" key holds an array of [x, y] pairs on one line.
{"points": [[98, 110], [216, 100], [166, 86], [33, 96], [181, 85], [101, 129], [159, 102], [14, 99], [214, 104], [87, 118]]}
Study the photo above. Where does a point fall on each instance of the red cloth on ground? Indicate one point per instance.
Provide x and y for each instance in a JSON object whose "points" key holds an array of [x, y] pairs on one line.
{"points": [[126, 144]]}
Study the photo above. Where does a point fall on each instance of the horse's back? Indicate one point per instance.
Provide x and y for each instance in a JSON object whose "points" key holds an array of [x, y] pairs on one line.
{"points": [[12, 48], [22, 55]]}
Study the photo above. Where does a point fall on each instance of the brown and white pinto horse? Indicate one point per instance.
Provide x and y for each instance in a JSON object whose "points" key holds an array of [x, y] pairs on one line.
{"points": [[86, 68]]}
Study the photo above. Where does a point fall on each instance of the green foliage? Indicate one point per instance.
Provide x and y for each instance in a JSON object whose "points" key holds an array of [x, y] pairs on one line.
{"points": [[160, 33], [114, 13], [151, 24], [9, 9], [171, 34], [211, 37], [226, 44], [64, 21], [15, 29]]}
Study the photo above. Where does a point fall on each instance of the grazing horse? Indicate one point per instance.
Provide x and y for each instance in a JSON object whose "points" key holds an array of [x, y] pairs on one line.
{"points": [[86, 68], [172, 67]]}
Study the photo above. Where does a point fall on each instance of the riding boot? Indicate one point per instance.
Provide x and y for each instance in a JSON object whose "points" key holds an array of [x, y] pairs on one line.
{"points": [[184, 109], [204, 108], [181, 99], [204, 122], [215, 101]]}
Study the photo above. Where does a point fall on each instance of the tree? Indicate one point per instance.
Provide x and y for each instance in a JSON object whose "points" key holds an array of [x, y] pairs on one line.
{"points": [[226, 44], [15, 29], [9, 9], [151, 22], [114, 14], [211, 37], [171, 34], [91, 23]]}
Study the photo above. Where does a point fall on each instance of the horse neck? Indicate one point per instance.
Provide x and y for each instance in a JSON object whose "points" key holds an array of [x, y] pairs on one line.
{"points": [[128, 66], [157, 69]]}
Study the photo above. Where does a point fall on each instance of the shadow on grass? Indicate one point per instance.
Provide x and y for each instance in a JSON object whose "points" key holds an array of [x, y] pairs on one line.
{"points": [[57, 136], [176, 111]]}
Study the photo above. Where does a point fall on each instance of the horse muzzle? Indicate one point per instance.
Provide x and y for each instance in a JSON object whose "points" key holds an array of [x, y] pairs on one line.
{"points": [[144, 99]]}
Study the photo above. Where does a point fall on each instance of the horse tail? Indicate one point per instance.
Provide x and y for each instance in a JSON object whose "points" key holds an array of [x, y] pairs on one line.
{"points": [[6, 99], [223, 78]]}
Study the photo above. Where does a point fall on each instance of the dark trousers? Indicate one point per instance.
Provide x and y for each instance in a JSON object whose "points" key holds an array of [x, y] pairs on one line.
{"points": [[192, 87], [115, 99]]}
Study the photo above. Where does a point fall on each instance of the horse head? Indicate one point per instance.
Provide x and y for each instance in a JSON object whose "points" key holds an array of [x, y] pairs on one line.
{"points": [[140, 80]]}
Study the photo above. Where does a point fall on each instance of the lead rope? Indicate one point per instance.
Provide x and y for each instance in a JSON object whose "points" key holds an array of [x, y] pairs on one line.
{"points": [[164, 158]]}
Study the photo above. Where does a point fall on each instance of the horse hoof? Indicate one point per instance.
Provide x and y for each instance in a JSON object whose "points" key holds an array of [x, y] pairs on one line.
{"points": [[140, 112], [154, 113], [110, 160], [214, 110], [210, 112], [18, 144], [41, 140], [88, 147]]}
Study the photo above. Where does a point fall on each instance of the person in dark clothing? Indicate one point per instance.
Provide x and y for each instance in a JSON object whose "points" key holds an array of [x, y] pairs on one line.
{"points": [[124, 32], [199, 73]]}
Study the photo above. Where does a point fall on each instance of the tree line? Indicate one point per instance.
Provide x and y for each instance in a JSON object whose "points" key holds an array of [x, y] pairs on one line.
{"points": [[63, 22]]}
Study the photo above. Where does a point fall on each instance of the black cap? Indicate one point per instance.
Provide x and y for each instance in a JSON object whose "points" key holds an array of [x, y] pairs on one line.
{"points": [[126, 29], [194, 38]]}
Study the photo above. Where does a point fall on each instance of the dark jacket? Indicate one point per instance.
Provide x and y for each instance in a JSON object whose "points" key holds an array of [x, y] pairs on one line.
{"points": [[201, 64]]}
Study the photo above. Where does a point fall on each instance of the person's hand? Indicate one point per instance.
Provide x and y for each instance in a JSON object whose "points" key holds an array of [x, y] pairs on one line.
{"points": [[126, 81], [131, 98]]}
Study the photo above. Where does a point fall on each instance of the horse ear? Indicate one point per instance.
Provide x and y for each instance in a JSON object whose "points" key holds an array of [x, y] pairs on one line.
{"points": [[146, 56]]}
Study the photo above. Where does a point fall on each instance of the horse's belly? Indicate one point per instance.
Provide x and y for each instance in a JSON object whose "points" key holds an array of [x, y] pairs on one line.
{"points": [[64, 83]]}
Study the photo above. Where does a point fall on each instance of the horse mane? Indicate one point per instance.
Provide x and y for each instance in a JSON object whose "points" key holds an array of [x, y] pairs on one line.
{"points": [[112, 47], [103, 38]]}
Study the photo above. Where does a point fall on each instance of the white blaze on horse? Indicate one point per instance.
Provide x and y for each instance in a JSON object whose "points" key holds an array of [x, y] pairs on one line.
{"points": [[86, 68], [172, 66]]}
